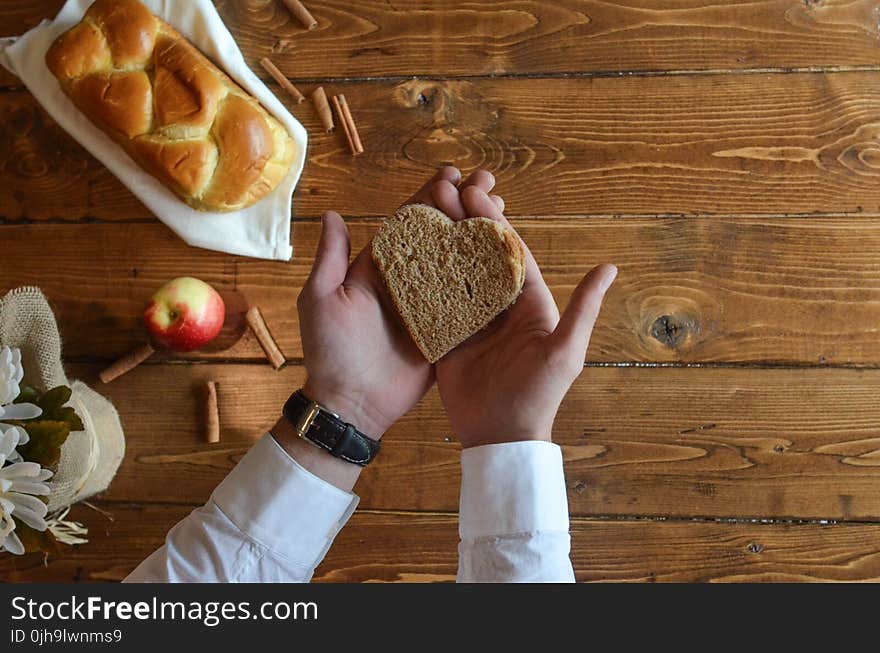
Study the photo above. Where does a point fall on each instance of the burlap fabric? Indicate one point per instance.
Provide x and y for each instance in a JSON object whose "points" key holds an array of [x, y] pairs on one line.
{"points": [[89, 458]]}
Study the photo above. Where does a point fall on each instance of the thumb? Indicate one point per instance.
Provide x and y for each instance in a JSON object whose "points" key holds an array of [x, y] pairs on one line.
{"points": [[331, 259], [572, 334]]}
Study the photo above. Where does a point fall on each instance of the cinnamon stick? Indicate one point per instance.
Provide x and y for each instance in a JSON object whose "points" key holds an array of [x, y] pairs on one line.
{"points": [[354, 139], [319, 97], [267, 342], [212, 413], [302, 14], [279, 77], [127, 363], [345, 128]]}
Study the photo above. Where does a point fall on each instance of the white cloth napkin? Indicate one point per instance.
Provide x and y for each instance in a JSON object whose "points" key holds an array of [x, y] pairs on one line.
{"points": [[262, 230]]}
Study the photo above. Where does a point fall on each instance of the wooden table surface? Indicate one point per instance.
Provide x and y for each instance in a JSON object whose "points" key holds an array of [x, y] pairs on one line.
{"points": [[724, 153]]}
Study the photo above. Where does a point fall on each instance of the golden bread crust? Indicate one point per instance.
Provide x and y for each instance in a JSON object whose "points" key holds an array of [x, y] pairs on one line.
{"points": [[178, 115]]}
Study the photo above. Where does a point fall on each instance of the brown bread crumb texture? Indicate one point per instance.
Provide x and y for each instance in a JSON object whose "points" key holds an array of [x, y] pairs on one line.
{"points": [[447, 279]]}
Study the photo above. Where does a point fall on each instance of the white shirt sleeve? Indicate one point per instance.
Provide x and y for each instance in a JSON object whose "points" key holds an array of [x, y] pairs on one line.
{"points": [[270, 520], [513, 517]]}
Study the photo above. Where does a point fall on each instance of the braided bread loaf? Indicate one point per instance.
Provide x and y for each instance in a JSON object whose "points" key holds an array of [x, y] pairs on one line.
{"points": [[170, 108]]}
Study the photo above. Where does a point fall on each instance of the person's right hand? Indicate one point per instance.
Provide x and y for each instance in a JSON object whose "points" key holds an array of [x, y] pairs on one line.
{"points": [[506, 382]]}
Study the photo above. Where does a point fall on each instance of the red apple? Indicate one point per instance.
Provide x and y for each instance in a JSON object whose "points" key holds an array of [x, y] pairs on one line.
{"points": [[185, 314]]}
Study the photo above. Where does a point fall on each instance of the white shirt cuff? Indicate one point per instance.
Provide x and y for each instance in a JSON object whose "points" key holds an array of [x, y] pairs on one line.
{"points": [[274, 500], [514, 487]]}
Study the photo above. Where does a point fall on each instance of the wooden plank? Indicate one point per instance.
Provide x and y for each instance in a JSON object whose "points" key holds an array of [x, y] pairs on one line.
{"points": [[422, 548], [569, 36], [17, 17], [712, 442], [411, 37], [718, 144], [690, 290]]}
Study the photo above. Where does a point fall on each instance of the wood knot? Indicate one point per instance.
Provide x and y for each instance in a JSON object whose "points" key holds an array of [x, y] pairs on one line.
{"points": [[281, 45], [31, 165], [417, 94], [673, 321], [861, 157], [755, 547], [672, 330], [837, 14]]}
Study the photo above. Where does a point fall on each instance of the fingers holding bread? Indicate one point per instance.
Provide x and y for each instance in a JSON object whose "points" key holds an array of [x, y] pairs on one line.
{"points": [[446, 197], [443, 191], [449, 201], [478, 203], [480, 178], [423, 195]]}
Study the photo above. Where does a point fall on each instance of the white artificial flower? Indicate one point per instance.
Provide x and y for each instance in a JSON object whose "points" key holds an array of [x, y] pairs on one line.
{"points": [[11, 437], [20, 485], [11, 374]]}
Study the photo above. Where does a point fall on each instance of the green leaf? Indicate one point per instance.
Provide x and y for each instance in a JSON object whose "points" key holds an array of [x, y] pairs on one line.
{"points": [[28, 395], [54, 398], [65, 414], [34, 540], [44, 447]]}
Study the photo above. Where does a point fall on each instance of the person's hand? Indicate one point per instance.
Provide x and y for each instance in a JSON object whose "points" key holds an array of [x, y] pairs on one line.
{"points": [[361, 362], [506, 382]]}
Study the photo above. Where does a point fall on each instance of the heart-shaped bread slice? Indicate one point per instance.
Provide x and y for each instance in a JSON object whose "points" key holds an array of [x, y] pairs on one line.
{"points": [[447, 279]]}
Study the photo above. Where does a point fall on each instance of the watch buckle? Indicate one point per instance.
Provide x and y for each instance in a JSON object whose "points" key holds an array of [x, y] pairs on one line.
{"points": [[308, 418]]}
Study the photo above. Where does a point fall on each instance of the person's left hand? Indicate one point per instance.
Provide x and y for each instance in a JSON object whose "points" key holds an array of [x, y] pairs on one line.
{"points": [[361, 362], [506, 382]]}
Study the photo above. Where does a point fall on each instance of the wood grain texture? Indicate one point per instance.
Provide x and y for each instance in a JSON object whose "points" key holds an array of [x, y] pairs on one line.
{"points": [[572, 36], [594, 166], [620, 551], [707, 144], [739, 290], [17, 17], [776, 443], [410, 547], [410, 37]]}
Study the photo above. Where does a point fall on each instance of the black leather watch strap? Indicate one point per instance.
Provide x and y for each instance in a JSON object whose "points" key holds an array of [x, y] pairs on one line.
{"points": [[327, 430]]}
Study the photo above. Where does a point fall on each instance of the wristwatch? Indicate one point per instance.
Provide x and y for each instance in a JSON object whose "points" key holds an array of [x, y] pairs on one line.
{"points": [[325, 429]]}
